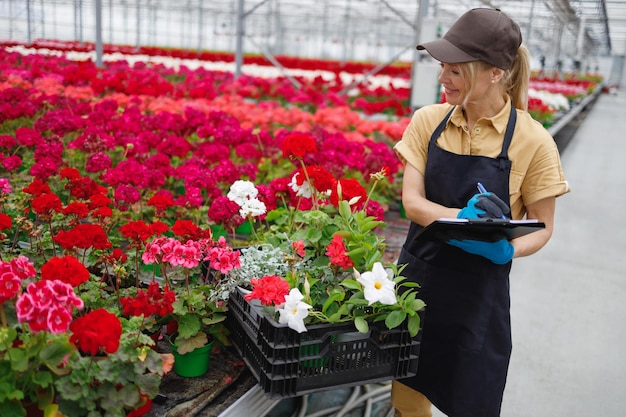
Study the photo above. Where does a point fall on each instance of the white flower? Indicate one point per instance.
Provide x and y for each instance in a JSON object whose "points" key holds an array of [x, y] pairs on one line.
{"points": [[303, 190], [252, 207], [242, 191], [294, 311], [378, 285]]}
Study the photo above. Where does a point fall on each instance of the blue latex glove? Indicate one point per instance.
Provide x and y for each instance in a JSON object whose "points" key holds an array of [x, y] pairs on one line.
{"points": [[499, 252], [484, 205]]}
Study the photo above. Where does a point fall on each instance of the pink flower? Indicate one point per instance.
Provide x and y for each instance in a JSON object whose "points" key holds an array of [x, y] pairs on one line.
{"points": [[47, 306], [59, 319], [298, 247], [10, 283], [22, 267]]}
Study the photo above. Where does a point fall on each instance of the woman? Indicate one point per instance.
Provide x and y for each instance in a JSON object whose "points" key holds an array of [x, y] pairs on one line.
{"points": [[483, 134]]}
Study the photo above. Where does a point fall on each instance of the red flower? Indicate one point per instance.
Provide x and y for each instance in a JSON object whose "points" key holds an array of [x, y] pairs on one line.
{"points": [[96, 331], [158, 228], [338, 253], [149, 302], [117, 255], [160, 202], [298, 144], [136, 231], [83, 236], [348, 189], [5, 222], [46, 204], [185, 229], [321, 179], [37, 187], [80, 210], [98, 200], [298, 247], [270, 290], [67, 269]]}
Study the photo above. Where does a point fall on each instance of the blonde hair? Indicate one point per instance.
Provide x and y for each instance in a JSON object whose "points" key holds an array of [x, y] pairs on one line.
{"points": [[514, 81]]}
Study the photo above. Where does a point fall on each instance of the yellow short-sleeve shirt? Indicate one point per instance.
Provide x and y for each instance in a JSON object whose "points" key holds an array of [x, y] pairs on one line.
{"points": [[536, 171]]}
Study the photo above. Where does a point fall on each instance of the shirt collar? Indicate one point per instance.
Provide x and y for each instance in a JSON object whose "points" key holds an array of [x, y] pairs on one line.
{"points": [[499, 121]]}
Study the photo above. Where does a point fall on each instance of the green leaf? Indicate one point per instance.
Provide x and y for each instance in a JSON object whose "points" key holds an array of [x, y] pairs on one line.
{"points": [[351, 284], [19, 360], [395, 318], [344, 209], [333, 298], [361, 324], [414, 325], [418, 304], [186, 345], [188, 325]]}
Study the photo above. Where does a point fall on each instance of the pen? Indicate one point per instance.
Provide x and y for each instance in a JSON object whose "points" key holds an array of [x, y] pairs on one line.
{"points": [[483, 190]]}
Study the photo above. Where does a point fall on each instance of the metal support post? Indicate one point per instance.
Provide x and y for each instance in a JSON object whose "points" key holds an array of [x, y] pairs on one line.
{"points": [[239, 40], [99, 33]]}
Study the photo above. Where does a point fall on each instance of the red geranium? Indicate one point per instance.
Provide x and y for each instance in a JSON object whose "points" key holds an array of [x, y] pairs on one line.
{"points": [[97, 331], [270, 290], [186, 229], [46, 204], [298, 144], [149, 302], [136, 231], [320, 178], [161, 202], [76, 208], [5, 222], [83, 236], [37, 187], [348, 189], [338, 253], [67, 269]]}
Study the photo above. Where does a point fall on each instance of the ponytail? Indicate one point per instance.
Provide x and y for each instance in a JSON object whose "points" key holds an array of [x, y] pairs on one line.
{"points": [[516, 80]]}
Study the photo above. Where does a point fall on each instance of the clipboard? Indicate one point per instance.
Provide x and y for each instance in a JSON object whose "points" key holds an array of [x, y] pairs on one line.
{"points": [[489, 230]]}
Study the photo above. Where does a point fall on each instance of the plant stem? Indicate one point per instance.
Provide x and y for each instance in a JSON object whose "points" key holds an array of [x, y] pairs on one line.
{"points": [[3, 317]]}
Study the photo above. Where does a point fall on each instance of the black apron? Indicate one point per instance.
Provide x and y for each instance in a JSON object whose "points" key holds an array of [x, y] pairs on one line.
{"points": [[466, 340]]}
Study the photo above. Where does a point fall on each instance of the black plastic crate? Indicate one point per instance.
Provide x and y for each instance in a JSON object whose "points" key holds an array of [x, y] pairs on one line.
{"points": [[329, 356]]}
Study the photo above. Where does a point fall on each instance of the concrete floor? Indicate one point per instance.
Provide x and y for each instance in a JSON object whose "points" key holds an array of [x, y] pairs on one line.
{"points": [[569, 300]]}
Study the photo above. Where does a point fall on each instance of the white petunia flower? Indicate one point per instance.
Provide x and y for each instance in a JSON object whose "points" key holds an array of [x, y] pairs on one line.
{"points": [[303, 190], [252, 207], [294, 311], [378, 285], [242, 191]]}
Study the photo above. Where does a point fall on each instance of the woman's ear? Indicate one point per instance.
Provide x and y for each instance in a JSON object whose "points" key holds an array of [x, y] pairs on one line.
{"points": [[496, 74]]}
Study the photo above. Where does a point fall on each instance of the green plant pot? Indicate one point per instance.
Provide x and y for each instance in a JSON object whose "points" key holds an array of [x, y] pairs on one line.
{"points": [[244, 228], [218, 230], [192, 364]]}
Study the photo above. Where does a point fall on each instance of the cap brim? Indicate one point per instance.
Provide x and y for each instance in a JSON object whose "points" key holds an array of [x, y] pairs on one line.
{"points": [[443, 51]]}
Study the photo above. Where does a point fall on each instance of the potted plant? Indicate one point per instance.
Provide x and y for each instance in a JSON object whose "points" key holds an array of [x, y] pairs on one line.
{"points": [[34, 346], [115, 370], [201, 298]]}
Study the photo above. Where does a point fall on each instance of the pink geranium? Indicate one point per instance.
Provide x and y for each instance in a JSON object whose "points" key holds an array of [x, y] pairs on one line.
{"points": [[47, 306]]}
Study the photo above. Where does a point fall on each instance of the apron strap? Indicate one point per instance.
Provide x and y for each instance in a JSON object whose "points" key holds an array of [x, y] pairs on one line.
{"points": [[441, 127], [508, 136]]}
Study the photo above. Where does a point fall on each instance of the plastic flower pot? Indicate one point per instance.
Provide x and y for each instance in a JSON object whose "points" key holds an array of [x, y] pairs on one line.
{"points": [[244, 228], [194, 363], [218, 230]]}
